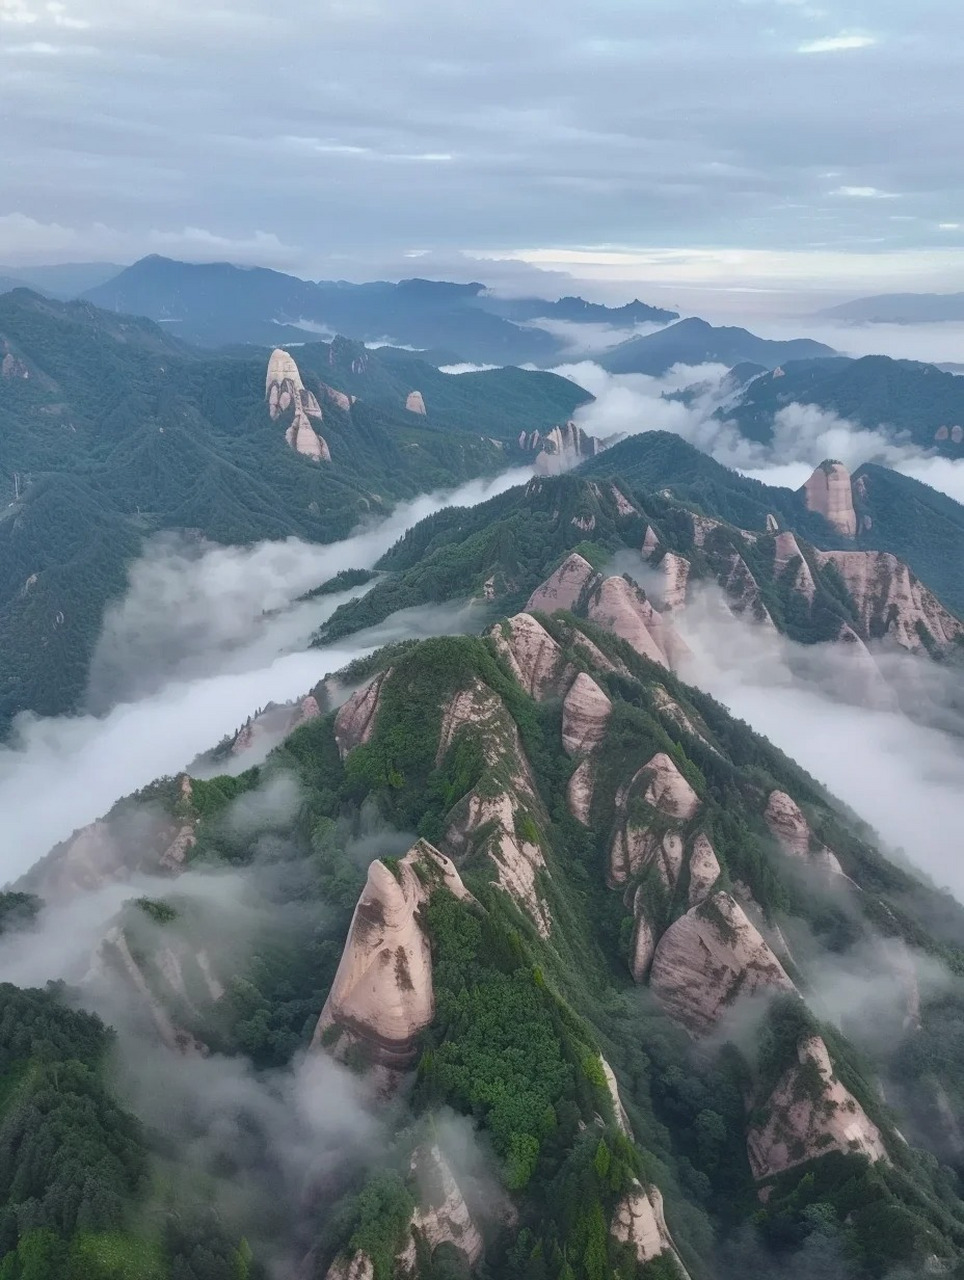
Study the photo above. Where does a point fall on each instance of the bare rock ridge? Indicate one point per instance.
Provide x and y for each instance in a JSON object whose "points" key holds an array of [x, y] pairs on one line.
{"points": [[355, 721], [274, 723], [563, 589], [561, 448], [585, 714], [661, 788], [382, 995], [890, 600], [830, 493], [284, 391], [810, 1113], [533, 656], [792, 832], [499, 817], [709, 957], [639, 1221]]}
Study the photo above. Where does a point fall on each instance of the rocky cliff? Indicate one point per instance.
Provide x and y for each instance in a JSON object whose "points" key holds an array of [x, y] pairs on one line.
{"points": [[285, 392], [830, 494]]}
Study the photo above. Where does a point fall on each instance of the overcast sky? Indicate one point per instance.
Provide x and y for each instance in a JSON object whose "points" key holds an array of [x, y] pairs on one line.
{"points": [[758, 143]]}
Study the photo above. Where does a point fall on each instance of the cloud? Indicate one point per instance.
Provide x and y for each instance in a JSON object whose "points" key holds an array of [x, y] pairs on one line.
{"points": [[864, 193], [81, 764], [837, 44]]}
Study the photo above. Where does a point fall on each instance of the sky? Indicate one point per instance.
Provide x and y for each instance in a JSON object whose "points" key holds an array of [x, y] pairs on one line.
{"points": [[777, 147]]}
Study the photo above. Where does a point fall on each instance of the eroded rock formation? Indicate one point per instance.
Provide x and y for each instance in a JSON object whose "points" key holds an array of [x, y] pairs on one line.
{"points": [[533, 656], [889, 601], [562, 448], [829, 492], [585, 714], [638, 842], [355, 721], [639, 1221], [382, 995], [810, 1113], [704, 870], [707, 959], [441, 1215], [415, 403], [563, 589], [623, 609], [792, 832], [786, 550], [284, 391]]}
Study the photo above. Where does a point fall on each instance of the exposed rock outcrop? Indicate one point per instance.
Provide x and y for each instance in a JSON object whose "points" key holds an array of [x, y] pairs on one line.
{"points": [[358, 1267], [743, 590], [12, 366], [704, 870], [792, 832], [889, 601], [644, 939], [563, 588], [355, 721], [810, 1113], [829, 492], [676, 576], [639, 1221], [415, 403], [563, 448], [661, 786], [274, 723], [382, 995], [533, 656], [786, 549], [623, 609], [441, 1216], [709, 958], [622, 1119], [585, 714], [284, 391]]}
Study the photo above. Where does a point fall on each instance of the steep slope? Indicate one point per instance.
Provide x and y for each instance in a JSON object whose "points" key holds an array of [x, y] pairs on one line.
{"points": [[111, 430], [694, 342], [909, 400], [509, 997]]}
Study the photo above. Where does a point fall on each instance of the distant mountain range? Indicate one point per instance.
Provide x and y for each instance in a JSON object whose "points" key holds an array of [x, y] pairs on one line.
{"points": [[694, 342], [917, 401], [64, 281], [899, 308], [112, 429], [217, 304]]}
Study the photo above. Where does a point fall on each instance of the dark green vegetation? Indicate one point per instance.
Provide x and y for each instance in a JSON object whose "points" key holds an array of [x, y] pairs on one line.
{"points": [[215, 304], [74, 1166], [521, 1021], [111, 430], [917, 402], [695, 342]]}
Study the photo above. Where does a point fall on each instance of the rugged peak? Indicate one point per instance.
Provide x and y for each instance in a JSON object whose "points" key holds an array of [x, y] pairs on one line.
{"points": [[585, 714], [792, 832], [285, 390], [830, 494], [809, 1114], [533, 656], [382, 995], [890, 601], [786, 549], [562, 589], [707, 959], [563, 447], [623, 609]]}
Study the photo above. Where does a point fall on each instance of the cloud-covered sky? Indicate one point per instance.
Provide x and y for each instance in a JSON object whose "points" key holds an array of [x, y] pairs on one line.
{"points": [[754, 143]]}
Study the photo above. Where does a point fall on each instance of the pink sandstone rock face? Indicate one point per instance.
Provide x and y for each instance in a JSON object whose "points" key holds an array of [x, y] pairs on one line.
{"points": [[744, 592], [623, 505], [810, 1114], [644, 939], [585, 714], [337, 398], [355, 721], [563, 589], [639, 1221], [670, 707], [501, 800], [285, 390], [274, 723], [786, 548], [660, 785], [650, 543], [358, 1267], [414, 402], [676, 575], [703, 526], [622, 1119], [441, 1215], [623, 609], [667, 790], [887, 595], [708, 958], [704, 870], [382, 995], [829, 492], [792, 832], [562, 448], [579, 791], [533, 656]]}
